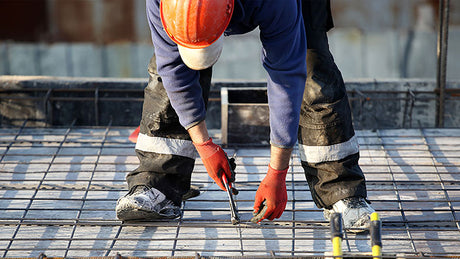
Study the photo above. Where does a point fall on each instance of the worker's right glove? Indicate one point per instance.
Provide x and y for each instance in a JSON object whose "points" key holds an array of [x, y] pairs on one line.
{"points": [[216, 162], [271, 196]]}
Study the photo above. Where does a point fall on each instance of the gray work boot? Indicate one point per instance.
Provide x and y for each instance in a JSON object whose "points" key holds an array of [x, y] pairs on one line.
{"points": [[356, 213], [144, 203]]}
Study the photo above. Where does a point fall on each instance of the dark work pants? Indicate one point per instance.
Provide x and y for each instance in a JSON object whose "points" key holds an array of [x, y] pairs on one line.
{"points": [[325, 121], [328, 148], [169, 172]]}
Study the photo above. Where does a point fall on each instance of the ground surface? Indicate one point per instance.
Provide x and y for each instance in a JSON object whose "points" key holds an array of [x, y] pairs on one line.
{"points": [[59, 186]]}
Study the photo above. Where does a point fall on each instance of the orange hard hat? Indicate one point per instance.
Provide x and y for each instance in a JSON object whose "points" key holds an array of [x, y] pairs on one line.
{"points": [[195, 24]]}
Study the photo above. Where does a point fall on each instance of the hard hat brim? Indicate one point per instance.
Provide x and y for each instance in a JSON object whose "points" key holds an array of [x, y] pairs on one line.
{"points": [[199, 59]]}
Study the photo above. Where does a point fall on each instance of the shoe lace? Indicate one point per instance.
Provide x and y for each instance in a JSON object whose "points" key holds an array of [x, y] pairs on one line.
{"points": [[137, 188], [355, 202]]}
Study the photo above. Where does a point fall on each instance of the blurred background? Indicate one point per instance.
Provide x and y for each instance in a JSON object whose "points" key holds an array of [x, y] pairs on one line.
{"points": [[91, 60], [110, 38]]}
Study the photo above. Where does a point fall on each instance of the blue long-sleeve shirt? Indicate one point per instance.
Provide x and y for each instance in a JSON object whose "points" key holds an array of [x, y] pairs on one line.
{"points": [[283, 56]]}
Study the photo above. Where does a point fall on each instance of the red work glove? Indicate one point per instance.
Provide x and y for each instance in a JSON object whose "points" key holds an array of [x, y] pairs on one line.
{"points": [[133, 137], [271, 197], [216, 162]]}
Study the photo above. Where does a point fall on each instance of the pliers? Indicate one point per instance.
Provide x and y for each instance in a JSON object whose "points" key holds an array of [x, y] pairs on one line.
{"points": [[231, 191]]}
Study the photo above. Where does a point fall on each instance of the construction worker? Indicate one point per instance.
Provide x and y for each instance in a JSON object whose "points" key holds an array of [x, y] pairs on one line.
{"points": [[307, 100]]}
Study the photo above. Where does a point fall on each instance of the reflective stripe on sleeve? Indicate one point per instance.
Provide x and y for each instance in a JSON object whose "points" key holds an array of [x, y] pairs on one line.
{"points": [[317, 154], [168, 146]]}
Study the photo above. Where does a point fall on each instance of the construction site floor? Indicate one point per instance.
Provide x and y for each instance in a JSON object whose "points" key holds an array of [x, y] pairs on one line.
{"points": [[59, 187]]}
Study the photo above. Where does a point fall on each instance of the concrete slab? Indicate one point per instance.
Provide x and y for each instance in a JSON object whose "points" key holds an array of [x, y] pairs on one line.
{"points": [[421, 61], [347, 48], [87, 60], [453, 65], [141, 54], [54, 59], [4, 64], [119, 60], [380, 55], [241, 58], [22, 59]]}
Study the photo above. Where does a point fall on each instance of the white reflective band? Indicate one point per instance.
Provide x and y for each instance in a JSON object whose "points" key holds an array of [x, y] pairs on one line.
{"points": [[317, 154], [168, 146]]}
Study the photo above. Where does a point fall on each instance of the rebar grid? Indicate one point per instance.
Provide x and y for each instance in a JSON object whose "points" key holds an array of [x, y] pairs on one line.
{"points": [[59, 187]]}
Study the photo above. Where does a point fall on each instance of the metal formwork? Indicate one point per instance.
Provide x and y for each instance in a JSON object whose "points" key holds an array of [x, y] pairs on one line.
{"points": [[59, 186], [375, 104]]}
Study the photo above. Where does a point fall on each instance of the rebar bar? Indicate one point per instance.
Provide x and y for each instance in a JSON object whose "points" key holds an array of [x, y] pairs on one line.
{"points": [[441, 73]]}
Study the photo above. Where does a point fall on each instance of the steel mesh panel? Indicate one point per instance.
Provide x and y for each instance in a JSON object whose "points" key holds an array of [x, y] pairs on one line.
{"points": [[59, 186]]}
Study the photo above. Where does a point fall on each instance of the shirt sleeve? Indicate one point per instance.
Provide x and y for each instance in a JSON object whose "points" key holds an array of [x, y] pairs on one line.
{"points": [[181, 83], [284, 57]]}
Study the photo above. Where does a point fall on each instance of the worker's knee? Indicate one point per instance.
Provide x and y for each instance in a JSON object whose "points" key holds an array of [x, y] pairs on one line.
{"points": [[324, 83]]}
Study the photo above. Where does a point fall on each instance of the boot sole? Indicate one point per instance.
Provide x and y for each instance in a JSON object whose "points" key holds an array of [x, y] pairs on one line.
{"points": [[135, 214]]}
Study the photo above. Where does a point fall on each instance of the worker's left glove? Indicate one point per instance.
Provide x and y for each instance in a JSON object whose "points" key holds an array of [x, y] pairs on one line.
{"points": [[271, 196], [216, 162]]}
